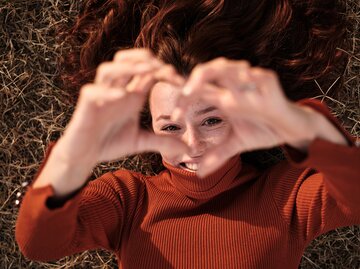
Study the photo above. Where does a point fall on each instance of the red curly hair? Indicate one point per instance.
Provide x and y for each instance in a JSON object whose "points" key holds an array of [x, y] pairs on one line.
{"points": [[299, 39], [296, 38]]}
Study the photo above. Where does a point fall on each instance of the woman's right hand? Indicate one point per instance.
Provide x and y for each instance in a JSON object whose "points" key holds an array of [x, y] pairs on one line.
{"points": [[105, 125]]}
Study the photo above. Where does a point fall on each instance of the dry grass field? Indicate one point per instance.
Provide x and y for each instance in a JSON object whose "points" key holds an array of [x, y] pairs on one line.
{"points": [[35, 109]]}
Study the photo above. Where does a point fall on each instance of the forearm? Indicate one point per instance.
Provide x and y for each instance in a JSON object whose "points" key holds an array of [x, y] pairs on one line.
{"points": [[332, 152], [64, 175], [319, 127]]}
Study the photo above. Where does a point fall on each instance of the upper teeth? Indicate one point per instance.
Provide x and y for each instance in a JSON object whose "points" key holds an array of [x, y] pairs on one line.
{"points": [[192, 166]]}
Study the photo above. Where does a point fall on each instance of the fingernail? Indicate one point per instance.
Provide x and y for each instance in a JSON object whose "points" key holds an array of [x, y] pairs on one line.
{"points": [[186, 90], [176, 114]]}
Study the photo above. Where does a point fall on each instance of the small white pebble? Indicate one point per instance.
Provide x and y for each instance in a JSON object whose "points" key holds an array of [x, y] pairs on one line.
{"points": [[24, 184], [17, 202], [18, 194], [357, 143]]}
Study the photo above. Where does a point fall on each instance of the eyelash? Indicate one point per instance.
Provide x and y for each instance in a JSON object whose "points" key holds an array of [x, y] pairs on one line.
{"points": [[218, 121]]}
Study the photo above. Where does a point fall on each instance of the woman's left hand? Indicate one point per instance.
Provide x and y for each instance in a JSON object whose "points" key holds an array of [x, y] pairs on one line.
{"points": [[255, 105]]}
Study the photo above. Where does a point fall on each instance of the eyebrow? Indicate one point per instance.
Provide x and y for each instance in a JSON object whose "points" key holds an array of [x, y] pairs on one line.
{"points": [[197, 113]]}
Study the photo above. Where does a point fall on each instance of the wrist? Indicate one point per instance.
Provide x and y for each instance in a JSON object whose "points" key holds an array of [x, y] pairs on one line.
{"points": [[316, 126], [302, 127], [62, 173], [326, 130]]}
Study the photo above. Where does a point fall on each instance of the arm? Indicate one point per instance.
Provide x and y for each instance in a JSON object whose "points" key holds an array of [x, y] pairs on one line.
{"points": [[61, 214], [322, 125], [91, 217], [318, 190]]}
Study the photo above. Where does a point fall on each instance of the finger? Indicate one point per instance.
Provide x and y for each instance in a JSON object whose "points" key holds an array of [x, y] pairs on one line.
{"points": [[141, 83], [118, 74], [135, 55], [160, 143], [210, 94], [184, 101], [144, 83], [99, 94], [217, 156], [269, 97], [267, 81], [168, 73], [221, 71]]}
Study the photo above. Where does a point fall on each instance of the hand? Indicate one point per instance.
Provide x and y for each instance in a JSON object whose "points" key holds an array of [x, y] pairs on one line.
{"points": [[105, 124], [253, 101]]}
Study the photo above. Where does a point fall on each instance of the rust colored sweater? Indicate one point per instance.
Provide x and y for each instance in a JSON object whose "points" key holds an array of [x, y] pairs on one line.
{"points": [[238, 217]]}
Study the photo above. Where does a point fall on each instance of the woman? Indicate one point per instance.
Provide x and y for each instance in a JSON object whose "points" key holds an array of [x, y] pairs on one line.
{"points": [[208, 208]]}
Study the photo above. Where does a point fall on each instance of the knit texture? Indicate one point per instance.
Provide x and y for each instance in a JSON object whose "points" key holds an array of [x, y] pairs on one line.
{"points": [[237, 217]]}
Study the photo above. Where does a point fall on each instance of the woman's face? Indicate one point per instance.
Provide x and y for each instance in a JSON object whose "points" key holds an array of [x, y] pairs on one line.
{"points": [[201, 128]]}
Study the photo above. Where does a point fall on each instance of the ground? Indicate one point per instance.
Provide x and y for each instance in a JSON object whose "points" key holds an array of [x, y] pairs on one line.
{"points": [[34, 110]]}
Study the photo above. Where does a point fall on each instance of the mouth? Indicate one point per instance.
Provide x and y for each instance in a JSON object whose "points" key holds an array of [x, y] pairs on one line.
{"points": [[189, 166]]}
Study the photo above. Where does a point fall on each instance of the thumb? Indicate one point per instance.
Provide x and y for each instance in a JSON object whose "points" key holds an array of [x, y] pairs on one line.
{"points": [[161, 143], [217, 156]]}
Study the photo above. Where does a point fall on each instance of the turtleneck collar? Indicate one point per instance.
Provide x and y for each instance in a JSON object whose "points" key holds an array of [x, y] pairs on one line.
{"points": [[229, 175]]}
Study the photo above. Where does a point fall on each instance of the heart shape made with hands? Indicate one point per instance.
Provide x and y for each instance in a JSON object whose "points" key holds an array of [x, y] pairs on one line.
{"points": [[251, 98]]}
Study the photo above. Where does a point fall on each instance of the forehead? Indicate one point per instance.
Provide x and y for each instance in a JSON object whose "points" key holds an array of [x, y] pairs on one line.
{"points": [[163, 100], [163, 95]]}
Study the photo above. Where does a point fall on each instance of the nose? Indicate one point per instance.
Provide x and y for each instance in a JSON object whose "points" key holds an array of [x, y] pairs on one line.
{"points": [[195, 141]]}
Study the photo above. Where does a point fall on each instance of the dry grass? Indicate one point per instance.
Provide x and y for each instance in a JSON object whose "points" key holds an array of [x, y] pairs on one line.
{"points": [[35, 110]]}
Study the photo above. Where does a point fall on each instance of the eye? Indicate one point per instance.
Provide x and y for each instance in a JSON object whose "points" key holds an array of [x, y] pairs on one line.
{"points": [[170, 128], [212, 121]]}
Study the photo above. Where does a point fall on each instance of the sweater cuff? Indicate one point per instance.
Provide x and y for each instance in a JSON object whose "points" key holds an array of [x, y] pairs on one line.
{"points": [[42, 198], [319, 148], [37, 224]]}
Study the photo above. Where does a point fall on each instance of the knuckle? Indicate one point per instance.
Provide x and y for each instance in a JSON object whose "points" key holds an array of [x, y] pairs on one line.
{"points": [[199, 69], [118, 55], [146, 52], [270, 73], [221, 60], [85, 88], [244, 63], [170, 68], [257, 70], [200, 72], [102, 67], [263, 73], [87, 93], [204, 68]]}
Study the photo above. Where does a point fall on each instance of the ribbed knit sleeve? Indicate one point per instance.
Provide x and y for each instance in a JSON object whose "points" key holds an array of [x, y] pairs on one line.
{"points": [[93, 217], [320, 190]]}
